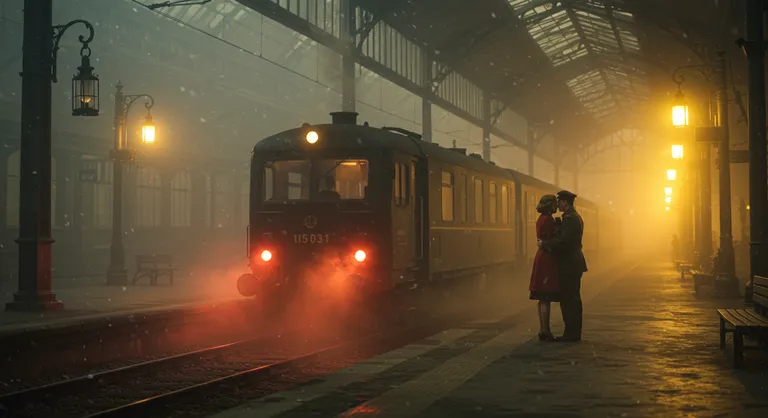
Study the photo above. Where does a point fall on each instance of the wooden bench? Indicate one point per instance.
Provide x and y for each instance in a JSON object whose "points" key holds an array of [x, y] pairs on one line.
{"points": [[154, 266], [760, 294], [685, 268], [702, 279], [740, 322]]}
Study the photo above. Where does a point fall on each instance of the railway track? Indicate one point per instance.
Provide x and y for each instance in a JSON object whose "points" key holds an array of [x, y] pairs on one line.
{"points": [[159, 387]]}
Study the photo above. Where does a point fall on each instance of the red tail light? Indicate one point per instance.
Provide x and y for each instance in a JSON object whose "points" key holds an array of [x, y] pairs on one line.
{"points": [[266, 255], [360, 256]]}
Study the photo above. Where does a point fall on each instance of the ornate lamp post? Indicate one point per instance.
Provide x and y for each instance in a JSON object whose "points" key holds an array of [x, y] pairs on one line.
{"points": [[122, 154], [40, 50]]}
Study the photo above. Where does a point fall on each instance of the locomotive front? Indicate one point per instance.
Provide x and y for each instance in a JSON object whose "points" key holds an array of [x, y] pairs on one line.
{"points": [[316, 220]]}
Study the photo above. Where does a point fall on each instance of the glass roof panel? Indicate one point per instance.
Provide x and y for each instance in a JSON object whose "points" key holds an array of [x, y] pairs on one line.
{"points": [[556, 30], [552, 29]]}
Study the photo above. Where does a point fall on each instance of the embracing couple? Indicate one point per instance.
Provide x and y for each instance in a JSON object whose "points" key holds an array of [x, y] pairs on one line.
{"points": [[559, 265]]}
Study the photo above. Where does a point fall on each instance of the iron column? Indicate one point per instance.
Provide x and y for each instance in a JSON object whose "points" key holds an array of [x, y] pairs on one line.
{"points": [[726, 255], [705, 203], [35, 287], [758, 188]]}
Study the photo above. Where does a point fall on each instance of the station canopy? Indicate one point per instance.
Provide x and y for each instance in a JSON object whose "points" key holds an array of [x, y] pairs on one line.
{"points": [[579, 68]]}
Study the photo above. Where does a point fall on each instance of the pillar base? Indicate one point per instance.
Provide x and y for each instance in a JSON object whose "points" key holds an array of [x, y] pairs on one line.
{"points": [[34, 302], [117, 277]]}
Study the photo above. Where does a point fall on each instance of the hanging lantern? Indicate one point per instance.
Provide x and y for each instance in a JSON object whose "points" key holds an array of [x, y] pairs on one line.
{"points": [[85, 89]]}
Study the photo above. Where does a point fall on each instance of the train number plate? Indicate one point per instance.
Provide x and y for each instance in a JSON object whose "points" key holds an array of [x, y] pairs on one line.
{"points": [[311, 238]]}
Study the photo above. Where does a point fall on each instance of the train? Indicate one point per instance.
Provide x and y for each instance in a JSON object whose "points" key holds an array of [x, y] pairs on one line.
{"points": [[384, 212]]}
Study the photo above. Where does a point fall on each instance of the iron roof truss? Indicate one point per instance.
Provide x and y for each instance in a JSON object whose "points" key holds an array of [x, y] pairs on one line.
{"points": [[570, 30]]}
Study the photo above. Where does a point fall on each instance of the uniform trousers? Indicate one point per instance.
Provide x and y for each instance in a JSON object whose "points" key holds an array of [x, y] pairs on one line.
{"points": [[570, 305]]}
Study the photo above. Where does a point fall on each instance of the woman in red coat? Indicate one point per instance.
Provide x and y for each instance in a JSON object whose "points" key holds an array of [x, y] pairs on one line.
{"points": [[544, 281]]}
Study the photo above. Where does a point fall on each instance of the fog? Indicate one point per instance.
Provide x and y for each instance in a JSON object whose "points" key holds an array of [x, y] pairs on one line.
{"points": [[222, 78]]}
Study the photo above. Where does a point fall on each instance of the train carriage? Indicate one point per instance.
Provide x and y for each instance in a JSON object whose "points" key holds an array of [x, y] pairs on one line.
{"points": [[384, 211]]}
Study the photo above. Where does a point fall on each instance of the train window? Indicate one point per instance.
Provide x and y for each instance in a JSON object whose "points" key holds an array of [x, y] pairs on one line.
{"points": [[343, 179], [504, 204], [401, 184], [396, 185], [478, 201], [286, 180], [464, 201], [405, 192], [492, 202], [447, 196]]}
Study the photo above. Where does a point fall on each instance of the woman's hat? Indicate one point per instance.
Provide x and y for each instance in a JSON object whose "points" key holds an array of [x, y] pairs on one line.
{"points": [[546, 200]]}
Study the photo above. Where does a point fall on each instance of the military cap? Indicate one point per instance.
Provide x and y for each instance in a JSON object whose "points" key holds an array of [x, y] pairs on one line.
{"points": [[565, 195]]}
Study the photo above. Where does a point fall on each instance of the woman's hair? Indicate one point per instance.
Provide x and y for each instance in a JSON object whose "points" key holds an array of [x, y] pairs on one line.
{"points": [[547, 204]]}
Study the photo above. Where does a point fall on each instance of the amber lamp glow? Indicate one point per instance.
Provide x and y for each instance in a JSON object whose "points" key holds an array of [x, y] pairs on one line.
{"points": [[680, 111], [671, 174], [148, 131], [677, 152]]}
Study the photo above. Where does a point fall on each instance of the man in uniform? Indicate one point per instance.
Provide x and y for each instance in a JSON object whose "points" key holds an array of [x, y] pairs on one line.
{"points": [[571, 264]]}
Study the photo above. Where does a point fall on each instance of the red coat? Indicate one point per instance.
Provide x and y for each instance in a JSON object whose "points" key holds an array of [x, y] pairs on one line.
{"points": [[544, 275]]}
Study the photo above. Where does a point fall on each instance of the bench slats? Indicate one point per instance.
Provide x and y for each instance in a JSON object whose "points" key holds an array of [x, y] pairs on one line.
{"points": [[746, 318], [760, 299], [729, 317], [756, 317], [761, 281]]}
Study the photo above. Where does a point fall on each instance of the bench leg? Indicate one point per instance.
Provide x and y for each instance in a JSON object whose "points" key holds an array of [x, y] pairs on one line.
{"points": [[738, 348], [722, 333]]}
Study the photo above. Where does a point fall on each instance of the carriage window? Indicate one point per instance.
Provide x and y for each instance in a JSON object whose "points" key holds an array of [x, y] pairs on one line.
{"points": [[504, 204], [344, 179], [405, 192], [478, 201], [492, 203], [464, 200], [396, 190], [286, 180], [447, 196]]}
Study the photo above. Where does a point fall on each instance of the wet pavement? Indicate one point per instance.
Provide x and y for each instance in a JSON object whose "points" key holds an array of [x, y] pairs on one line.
{"points": [[650, 348]]}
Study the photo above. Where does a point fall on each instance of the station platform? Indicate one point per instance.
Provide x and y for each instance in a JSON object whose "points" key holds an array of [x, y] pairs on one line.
{"points": [[90, 299], [649, 348]]}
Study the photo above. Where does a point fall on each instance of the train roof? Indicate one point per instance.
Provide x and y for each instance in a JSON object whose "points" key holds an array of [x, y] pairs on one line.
{"points": [[363, 137]]}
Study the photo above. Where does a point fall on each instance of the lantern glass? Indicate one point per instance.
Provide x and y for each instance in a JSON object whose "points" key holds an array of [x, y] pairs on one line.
{"points": [[148, 131], [680, 115], [85, 91], [671, 174], [677, 152]]}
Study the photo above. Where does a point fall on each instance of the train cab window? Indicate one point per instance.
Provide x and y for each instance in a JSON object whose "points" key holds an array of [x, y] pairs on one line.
{"points": [[447, 196], [343, 179], [504, 204], [479, 201], [286, 180], [492, 202]]}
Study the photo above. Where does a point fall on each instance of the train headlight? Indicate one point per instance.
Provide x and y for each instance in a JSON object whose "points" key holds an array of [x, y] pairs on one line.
{"points": [[266, 255], [312, 137], [360, 256]]}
